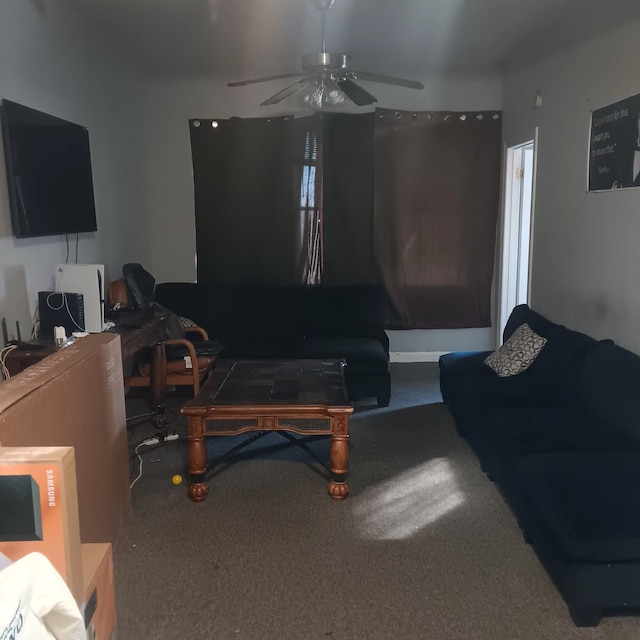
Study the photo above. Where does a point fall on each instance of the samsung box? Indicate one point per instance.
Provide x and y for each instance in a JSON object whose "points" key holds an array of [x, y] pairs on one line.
{"points": [[39, 508], [98, 605], [75, 398]]}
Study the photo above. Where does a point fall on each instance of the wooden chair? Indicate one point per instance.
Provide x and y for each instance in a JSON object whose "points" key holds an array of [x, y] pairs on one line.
{"points": [[177, 361], [173, 366]]}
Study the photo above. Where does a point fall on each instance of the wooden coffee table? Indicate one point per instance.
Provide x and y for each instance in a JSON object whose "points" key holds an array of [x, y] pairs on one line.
{"points": [[303, 396]]}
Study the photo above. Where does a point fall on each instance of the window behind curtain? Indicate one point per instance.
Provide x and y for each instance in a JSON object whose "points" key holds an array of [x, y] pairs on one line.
{"points": [[309, 258], [408, 201], [247, 188]]}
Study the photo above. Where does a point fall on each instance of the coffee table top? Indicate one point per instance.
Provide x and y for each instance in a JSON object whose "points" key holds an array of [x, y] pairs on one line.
{"points": [[273, 382]]}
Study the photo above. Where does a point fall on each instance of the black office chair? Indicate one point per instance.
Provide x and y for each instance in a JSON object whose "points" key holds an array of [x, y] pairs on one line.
{"points": [[141, 286], [180, 370]]}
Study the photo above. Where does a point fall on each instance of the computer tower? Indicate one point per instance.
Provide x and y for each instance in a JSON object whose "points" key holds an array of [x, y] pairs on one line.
{"points": [[87, 279], [60, 309]]}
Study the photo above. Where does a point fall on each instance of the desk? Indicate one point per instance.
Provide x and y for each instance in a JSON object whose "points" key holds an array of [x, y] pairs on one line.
{"points": [[151, 334], [132, 340]]}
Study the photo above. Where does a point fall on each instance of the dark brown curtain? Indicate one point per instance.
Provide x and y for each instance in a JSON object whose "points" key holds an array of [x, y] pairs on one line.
{"points": [[255, 222], [436, 202], [347, 212]]}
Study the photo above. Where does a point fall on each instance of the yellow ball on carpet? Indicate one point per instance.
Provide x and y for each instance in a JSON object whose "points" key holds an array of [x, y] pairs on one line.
{"points": [[176, 479]]}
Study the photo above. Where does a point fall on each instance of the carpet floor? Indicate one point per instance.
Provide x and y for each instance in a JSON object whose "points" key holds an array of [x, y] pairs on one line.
{"points": [[423, 548]]}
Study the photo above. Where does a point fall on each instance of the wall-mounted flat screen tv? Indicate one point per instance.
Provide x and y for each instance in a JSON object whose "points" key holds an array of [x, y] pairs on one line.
{"points": [[48, 173]]}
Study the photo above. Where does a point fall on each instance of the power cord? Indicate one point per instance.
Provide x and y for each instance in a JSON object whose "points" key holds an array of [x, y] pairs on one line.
{"points": [[64, 302], [35, 329], [3, 356], [150, 442]]}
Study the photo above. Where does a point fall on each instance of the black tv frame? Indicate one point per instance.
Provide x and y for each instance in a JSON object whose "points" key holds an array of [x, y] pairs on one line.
{"points": [[49, 174]]}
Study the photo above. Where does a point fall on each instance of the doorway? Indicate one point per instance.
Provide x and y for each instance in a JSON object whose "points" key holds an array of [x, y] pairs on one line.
{"points": [[517, 230]]}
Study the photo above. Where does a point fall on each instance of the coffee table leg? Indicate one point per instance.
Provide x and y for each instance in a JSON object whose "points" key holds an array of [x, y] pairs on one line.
{"points": [[197, 457], [339, 487]]}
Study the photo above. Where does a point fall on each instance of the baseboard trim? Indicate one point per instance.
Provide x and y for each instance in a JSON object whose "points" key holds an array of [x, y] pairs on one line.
{"points": [[415, 356]]}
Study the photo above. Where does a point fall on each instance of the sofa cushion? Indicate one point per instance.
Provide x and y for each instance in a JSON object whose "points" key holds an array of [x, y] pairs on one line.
{"points": [[557, 369], [477, 393], [589, 503], [363, 355], [517, 353], [245, 340], [503, 434]]}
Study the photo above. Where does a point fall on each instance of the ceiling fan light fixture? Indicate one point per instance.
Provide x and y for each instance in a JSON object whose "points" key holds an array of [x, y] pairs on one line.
{"points": [[323, 93], [327, 81]]}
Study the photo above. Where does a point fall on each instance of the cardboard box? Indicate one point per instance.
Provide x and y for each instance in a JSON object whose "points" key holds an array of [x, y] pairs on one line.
{"points": [[75, 397], [39, 507], [99, 601]]}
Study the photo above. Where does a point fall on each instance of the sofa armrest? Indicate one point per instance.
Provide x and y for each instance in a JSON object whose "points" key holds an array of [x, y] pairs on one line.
{"points": [[454, 366]]}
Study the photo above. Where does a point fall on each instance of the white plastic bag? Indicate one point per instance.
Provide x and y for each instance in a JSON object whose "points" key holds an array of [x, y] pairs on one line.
{"points": [[36, 604]]}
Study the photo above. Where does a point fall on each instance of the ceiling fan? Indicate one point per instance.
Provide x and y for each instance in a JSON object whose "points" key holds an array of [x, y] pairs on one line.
{"points": [[327, 80]]}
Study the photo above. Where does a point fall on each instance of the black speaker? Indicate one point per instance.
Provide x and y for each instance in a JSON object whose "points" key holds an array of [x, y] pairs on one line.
{"points": [[59, 309], [20, 508]]}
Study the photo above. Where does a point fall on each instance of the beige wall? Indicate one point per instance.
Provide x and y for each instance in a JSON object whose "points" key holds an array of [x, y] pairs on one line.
{"points": [[51, 61], [585, 258]]}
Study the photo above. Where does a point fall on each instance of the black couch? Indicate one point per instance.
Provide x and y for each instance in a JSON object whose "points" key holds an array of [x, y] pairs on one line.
{"points": [[294, 322], [561, 441]]}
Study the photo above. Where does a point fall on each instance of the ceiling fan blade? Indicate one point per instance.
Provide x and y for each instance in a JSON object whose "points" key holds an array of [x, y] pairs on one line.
{"points": [[376, 77], [286, 92], [243, 83], [355, 93]]}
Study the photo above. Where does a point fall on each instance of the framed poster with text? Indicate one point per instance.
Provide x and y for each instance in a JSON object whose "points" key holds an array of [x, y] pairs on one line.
{"points": [[614, 146]]}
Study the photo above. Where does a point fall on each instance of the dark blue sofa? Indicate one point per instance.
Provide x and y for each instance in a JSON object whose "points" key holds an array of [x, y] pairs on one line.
{"points": [[562, 443], [254, 321]]}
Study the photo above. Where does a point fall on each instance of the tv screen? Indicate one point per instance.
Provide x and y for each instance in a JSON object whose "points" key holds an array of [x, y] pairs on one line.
{"points": [[48, 173]]}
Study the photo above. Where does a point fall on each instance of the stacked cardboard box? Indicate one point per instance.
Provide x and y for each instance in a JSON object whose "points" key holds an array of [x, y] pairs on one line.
{"points": [[75, 397], [99, 601], [39, 507], [64, 470]]}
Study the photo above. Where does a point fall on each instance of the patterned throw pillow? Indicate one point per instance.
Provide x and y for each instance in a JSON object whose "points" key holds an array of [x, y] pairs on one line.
{"points": [[517, 353]]}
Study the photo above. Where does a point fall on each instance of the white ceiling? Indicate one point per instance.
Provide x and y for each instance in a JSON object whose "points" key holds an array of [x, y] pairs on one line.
{"points": [[235, 39]]}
